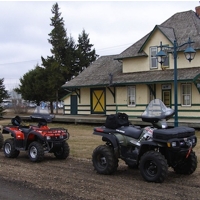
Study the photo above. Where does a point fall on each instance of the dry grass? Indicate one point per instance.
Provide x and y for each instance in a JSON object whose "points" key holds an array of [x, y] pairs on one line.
{"points": [[82, 142]]}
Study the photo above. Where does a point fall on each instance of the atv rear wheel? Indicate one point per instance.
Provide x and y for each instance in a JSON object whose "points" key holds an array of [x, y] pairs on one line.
{"points": [[104, 160], [36, 152], [188, 166], [9, 148], [1, 140], [63, 152], [153, 167]]}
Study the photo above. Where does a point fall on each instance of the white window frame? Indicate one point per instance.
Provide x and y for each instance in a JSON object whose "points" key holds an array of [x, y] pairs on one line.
{"points": [[186, 94], [131, 97], [152, 52]]}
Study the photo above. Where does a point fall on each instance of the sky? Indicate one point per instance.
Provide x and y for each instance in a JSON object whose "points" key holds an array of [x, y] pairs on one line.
{"points": [[112, 26]]}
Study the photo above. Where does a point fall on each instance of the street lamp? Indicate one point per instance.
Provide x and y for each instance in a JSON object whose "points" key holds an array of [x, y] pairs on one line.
{"points": [[189, 55]]}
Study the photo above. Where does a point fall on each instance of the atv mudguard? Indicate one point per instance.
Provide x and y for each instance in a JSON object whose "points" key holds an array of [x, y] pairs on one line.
{"points": [[24, 132], [109, 137], [150, 143], [146, 145], [7, 131]]}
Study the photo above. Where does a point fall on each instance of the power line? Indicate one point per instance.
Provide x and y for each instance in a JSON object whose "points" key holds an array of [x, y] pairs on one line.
{"points": [[103, 49], [114, 47], [19, 62]]}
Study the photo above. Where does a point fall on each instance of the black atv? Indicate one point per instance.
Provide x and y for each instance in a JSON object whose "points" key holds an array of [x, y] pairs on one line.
{"points": [[151, 149], [36, 140]]}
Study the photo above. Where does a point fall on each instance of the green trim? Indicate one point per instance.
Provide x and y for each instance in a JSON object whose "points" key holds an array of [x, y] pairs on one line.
{"points": [[78, 94], [131, 56], [196, 82], [152, 89], [130, 83], [63, 98], [188, 110], [150, 35], [112, 92], [181, 117]]}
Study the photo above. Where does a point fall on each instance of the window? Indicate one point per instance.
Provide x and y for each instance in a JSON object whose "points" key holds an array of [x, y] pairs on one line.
{"points": [[131, 95], [166, 63], [154, 61], [186, 94]]}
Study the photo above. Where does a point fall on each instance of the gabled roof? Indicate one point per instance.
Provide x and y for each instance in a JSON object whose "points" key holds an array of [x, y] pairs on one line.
{"points": [[180, 26], [168, 32], [97, 74]]}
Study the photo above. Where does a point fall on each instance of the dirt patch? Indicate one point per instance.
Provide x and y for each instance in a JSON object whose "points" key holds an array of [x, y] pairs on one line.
{"points": [[76, 179]]}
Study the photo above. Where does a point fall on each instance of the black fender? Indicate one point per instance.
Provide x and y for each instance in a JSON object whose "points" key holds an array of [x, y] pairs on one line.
{"points": [[110, 137], [150, 143], [7, 131], [147, 145]]}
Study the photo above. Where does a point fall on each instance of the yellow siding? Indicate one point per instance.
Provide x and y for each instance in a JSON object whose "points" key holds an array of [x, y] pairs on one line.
{"points": [[84, 96], [139, 64]]}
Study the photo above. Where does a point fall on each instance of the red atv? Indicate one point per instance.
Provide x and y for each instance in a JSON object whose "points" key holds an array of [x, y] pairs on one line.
{"points": [[37, 140]]}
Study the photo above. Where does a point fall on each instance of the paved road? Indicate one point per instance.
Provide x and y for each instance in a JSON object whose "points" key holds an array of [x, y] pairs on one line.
{"points": [[13, 190]]}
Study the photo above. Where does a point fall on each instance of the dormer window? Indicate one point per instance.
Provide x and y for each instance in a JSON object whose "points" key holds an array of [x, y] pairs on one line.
{"points": [[153, 59]]}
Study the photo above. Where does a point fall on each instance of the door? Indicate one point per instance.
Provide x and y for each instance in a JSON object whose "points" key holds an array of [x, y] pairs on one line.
{"points": [[98, 101], [73, 104], [166, 97]]}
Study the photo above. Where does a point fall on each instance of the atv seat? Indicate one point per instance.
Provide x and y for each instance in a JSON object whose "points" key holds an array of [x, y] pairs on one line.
{"points": [[177, 132], [25, 130], [130, 131]]}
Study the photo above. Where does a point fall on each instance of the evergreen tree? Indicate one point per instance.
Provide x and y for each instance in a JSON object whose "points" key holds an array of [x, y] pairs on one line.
{"points": [[3, 95], [86, 55], [33, 85], [59, 65], [58, 37]]}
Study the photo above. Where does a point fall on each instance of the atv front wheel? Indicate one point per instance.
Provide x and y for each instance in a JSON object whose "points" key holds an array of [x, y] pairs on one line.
{"points": [[9, 149], [153, 167], [63, 152], [188, 166], [1, 140], [35, 152], [104, 160]]}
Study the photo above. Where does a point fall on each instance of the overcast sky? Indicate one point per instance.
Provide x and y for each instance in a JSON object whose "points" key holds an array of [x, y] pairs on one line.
{"points": [[112, 26]]}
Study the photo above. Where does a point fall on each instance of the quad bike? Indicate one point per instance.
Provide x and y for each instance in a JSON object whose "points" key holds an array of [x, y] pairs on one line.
{"points": [[1, 137], [152, 149], [36, 140]]}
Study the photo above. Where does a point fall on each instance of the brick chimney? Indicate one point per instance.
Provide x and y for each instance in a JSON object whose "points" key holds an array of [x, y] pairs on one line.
{"points": [[197, 10]]}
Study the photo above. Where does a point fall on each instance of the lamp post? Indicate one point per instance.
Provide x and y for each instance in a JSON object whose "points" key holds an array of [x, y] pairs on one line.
{"points": [[189, 55]]}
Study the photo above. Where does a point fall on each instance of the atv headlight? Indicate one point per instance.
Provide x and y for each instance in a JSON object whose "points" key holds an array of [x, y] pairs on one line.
{"points": [[48, 137], [61, 136], [174, 144]]}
